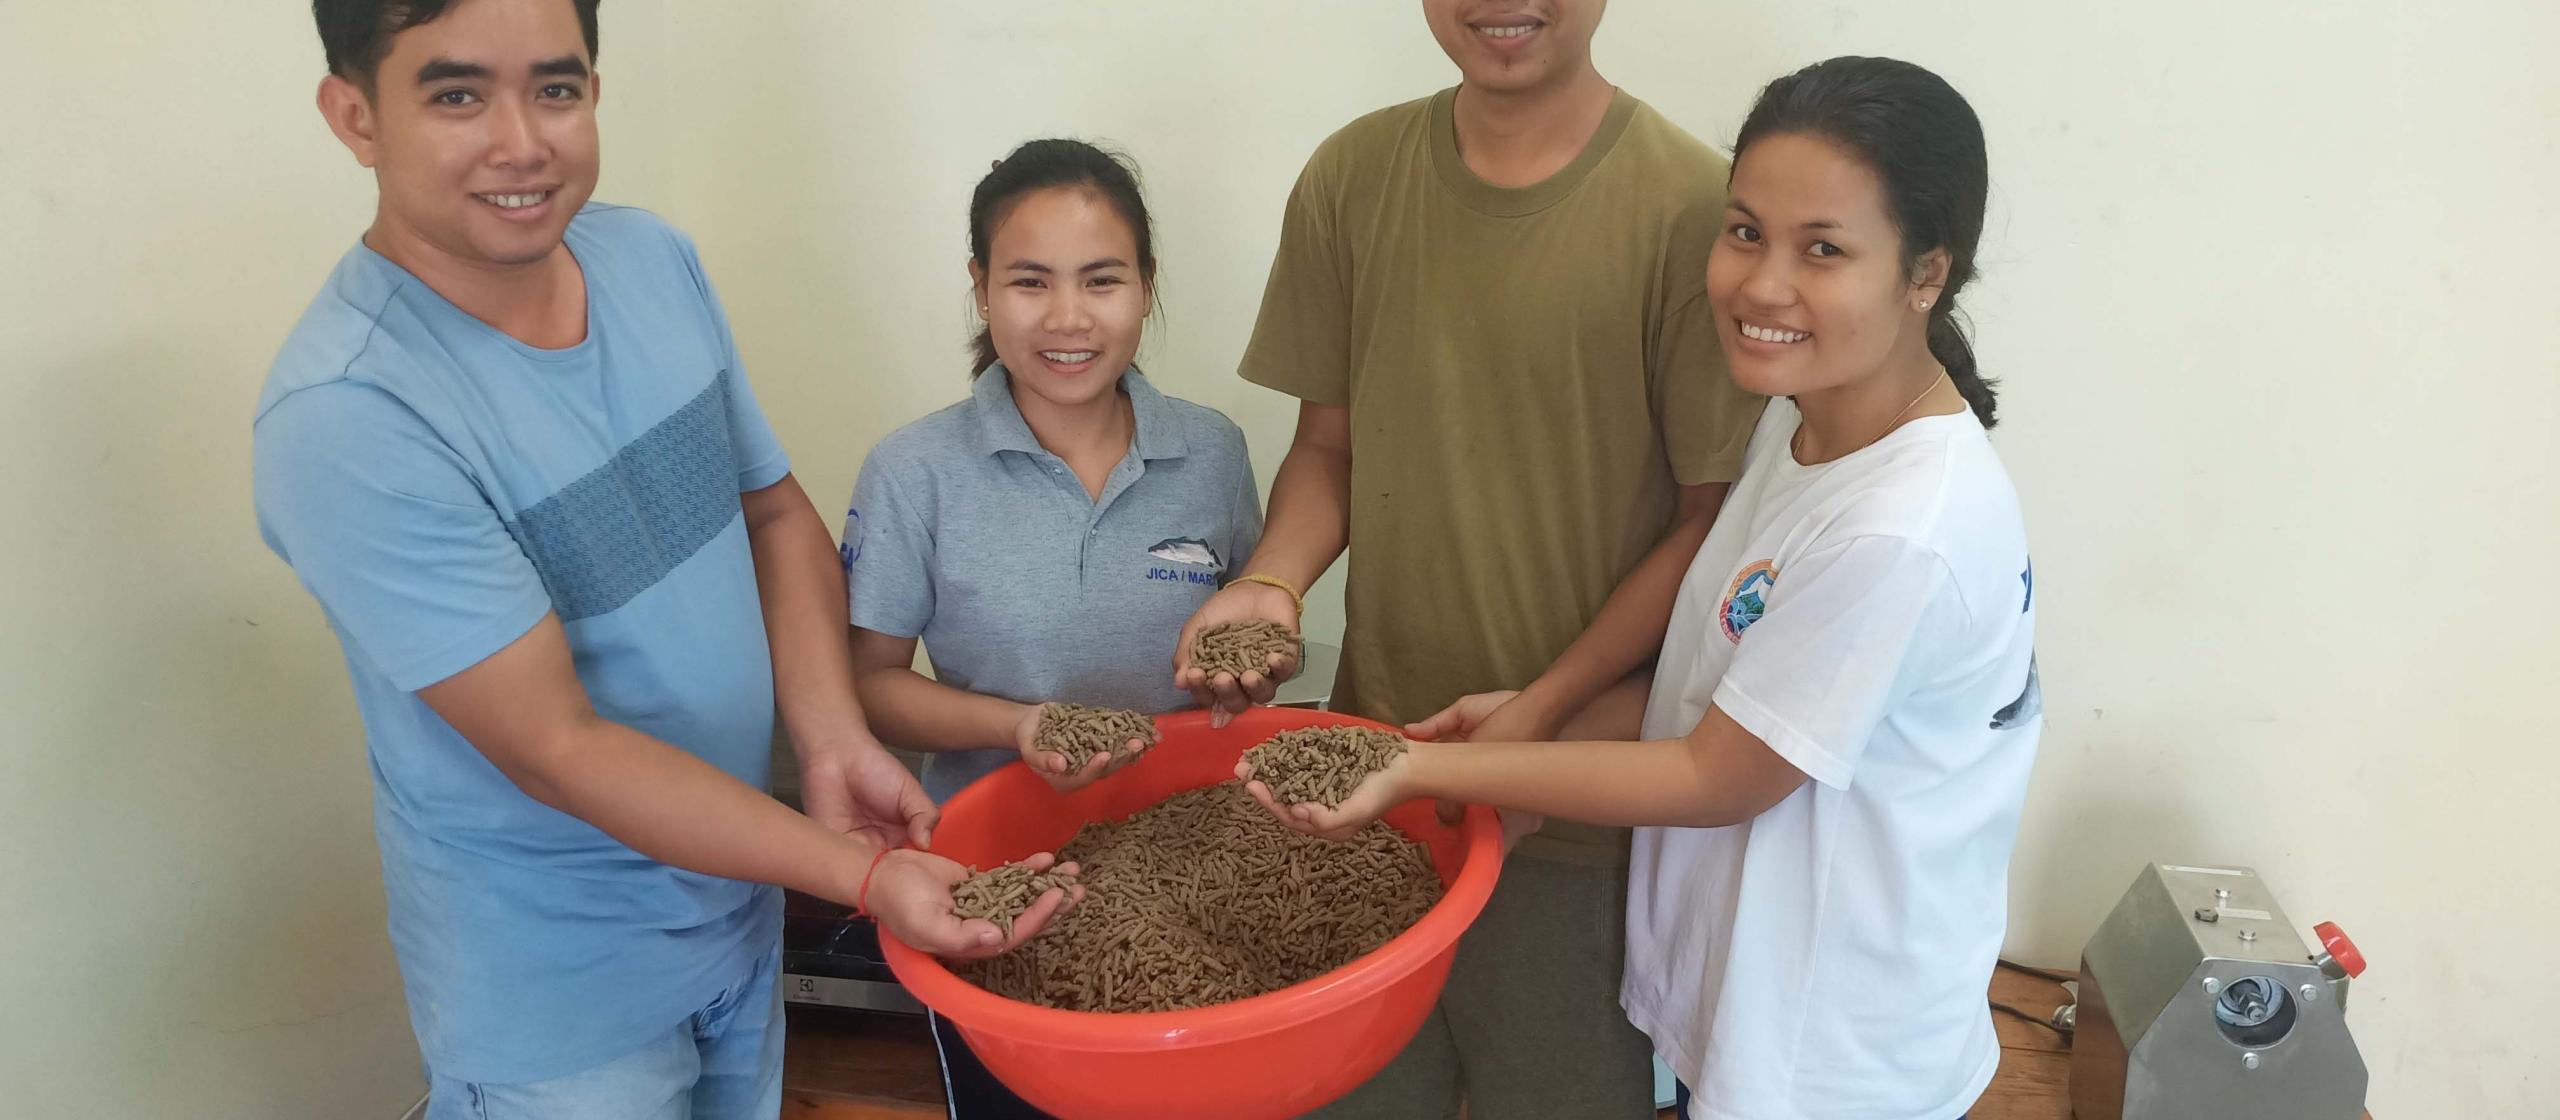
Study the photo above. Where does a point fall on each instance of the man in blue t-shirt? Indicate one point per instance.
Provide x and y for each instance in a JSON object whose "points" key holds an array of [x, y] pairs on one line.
{"points": [[510, 450]]}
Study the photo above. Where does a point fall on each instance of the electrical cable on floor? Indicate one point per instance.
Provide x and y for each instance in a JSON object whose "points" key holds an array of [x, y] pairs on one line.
{"points": [[2043, 973], [2048, 1022], [2030, 1016]]}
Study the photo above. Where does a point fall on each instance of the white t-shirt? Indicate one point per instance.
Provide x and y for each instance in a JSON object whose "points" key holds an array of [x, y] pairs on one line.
{"points": [[1872, 619]]}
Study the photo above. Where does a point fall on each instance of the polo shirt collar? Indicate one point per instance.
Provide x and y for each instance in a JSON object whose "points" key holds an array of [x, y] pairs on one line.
{"points": [[1001, 427]]}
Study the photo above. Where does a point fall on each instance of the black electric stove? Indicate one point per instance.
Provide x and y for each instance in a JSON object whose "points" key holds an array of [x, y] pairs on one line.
{"points": [[831, 956]]}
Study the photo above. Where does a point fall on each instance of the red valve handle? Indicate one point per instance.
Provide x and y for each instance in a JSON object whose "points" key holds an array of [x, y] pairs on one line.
{"points": [[2339, 948]]}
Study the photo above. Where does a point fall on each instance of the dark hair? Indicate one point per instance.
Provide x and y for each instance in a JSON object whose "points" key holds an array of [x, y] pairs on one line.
{"points": [[1920, 137], [356, 34], [1041, 165]]}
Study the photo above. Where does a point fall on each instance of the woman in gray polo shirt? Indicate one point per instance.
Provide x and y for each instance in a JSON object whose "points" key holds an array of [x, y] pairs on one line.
{"points": [[1047, 537]]}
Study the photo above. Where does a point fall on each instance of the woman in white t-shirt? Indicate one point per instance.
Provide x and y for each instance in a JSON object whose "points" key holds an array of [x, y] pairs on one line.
{"points": [[1840, 722]]}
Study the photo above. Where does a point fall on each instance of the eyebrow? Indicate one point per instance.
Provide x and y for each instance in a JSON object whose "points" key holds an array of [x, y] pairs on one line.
{"points": [[1817, 223], [1096, 266], [447, 69]]}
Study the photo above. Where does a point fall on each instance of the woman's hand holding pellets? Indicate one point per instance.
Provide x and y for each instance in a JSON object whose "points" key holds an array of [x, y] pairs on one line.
{"points": [[1368, 801], [1057, 769], [1336, 779]]}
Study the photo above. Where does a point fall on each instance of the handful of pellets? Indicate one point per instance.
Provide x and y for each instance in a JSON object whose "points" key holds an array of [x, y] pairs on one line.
{"points": [[1238, 648], [1078, 733], [1001, 895], [1204, 899], [1321, 764]]}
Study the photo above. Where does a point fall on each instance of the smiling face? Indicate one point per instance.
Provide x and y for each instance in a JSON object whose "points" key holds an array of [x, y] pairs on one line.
{"points": [[1512, 46], [480, 129], [1065, 298], [1811, 284]]}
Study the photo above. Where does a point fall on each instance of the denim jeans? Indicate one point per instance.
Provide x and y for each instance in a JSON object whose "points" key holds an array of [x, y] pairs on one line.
{"points": [[723, 1062]]}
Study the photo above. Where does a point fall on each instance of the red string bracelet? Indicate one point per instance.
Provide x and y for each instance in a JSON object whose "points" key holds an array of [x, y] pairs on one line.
{"points": [[862, 899]]}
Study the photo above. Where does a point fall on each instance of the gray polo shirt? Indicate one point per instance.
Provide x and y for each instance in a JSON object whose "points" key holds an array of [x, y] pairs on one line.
{"points": [[966, 533]]}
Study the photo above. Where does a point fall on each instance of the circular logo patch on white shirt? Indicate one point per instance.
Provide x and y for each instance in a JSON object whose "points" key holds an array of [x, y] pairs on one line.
{"points": [[1747, 599]]}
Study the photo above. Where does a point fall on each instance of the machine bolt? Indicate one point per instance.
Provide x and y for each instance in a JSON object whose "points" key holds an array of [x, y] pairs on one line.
{"points": [[2208, 914], [2249, 1060], [2310, 993], [2211, 985]]}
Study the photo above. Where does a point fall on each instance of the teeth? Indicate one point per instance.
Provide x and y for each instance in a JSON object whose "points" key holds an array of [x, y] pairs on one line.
{"points": [[1068, 357], [514, 201], [1771, 334], [1508, 32]]}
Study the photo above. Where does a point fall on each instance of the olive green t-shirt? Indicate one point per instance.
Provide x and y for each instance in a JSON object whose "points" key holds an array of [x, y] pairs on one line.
{"points": [[1531, 372]]}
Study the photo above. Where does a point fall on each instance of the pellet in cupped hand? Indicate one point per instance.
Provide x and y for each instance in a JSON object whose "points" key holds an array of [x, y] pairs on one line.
{"points": [[1321, 764], [1237, 648], [1002, 894], [1077, 733]]}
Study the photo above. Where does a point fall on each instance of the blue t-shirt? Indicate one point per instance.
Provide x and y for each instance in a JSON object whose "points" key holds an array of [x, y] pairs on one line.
{"points": [[440, 487]]}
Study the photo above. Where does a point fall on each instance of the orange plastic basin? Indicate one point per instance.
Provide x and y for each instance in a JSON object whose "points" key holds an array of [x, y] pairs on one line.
{"points": [[1275, 1055]]}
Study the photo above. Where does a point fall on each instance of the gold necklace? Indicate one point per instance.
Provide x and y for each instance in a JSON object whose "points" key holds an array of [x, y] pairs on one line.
{"points": [[1795, 444]]}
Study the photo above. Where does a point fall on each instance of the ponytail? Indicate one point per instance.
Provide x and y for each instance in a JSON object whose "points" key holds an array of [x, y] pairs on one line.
{"points": [[982, 351], [1948, 344]]}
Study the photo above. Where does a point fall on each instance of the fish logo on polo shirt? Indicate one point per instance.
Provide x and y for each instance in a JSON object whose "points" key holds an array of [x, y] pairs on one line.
{"points": [[1200, 563], [1747, 599]]}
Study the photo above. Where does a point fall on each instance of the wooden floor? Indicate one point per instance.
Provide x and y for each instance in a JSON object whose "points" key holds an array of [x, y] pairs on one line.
{"points": [[855, 1066], [2034, 1082]]}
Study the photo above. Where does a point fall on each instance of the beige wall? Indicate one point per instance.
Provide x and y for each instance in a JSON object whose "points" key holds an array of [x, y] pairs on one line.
{"points": [[2270, 285]]}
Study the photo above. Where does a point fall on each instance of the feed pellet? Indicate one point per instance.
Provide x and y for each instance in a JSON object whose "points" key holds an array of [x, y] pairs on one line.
{"points": [[1321, 764], [1002, 894], [1241, 647], [1204, 899], [1078, 732]]}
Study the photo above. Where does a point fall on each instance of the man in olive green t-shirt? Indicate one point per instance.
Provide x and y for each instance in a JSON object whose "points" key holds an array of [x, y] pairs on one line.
{"points": [[1491, 304]]}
